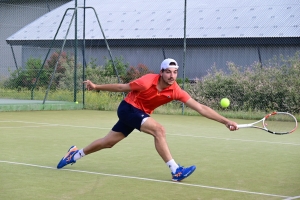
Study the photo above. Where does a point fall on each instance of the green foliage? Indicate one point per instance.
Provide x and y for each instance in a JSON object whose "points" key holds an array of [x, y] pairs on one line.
{"points": [[273, 86], [126, 73], [103, 100], [180, 81], [64, 74], [118, 64], [268, 88], [24, 78], [62, 62], [135, 72]]}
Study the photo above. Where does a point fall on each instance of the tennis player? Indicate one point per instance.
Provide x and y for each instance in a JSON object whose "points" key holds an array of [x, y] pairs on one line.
{"points": [[144, 95]]}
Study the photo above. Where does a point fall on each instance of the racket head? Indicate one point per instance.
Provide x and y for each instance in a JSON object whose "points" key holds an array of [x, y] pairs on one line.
{"points": [[280, 123]]}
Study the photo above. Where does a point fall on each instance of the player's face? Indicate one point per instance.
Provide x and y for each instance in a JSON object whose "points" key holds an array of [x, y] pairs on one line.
{"points": [[169, 75]]}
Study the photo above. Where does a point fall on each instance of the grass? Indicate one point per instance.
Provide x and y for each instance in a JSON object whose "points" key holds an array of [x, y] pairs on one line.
{"points": [[245, 164]]}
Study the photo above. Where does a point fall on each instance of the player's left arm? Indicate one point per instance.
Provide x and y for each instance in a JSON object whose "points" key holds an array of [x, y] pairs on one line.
{"points": [[107, 87], [211, 114]]}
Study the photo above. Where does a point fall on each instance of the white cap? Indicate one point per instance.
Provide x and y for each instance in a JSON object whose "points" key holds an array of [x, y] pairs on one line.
{"points": [[166, 64]]}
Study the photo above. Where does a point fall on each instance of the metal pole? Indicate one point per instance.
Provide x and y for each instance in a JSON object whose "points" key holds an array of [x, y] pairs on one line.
{"points": [[107, 46], [55, 67], [83, 55], [75, 54], [51, 46], [164, 53], [259, 57], [13, 53], [184, 52]]}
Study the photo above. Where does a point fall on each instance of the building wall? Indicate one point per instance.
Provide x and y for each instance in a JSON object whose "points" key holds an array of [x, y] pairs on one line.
{"points": [[15, 15], [199, 60]]}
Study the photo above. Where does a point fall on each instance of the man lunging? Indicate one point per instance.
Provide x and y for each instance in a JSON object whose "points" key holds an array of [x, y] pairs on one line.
{"points": [[144, 95]]}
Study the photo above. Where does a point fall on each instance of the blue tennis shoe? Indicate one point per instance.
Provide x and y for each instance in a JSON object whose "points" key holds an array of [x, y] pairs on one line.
{"points": [[69, 157], [182, 173]]}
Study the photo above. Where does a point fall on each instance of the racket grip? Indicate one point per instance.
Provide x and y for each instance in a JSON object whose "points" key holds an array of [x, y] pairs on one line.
{"points": [[244, 125]]}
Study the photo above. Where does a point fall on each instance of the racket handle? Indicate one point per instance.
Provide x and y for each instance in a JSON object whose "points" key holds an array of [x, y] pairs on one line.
{"points": [[244, 125]]}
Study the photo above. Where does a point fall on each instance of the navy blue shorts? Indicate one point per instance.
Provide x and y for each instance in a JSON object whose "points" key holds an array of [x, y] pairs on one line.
{"points": [[130, 118]]}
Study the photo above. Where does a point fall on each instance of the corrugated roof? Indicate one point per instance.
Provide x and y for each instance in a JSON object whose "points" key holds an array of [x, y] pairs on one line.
{"points": [[141, 19]]}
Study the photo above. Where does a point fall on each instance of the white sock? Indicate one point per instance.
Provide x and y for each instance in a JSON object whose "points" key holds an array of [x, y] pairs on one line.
{"points": [[172, 165], [79, 154]]}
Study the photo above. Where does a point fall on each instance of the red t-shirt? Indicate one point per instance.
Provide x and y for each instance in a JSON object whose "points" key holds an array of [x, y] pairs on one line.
{"points": [[145, 96]]}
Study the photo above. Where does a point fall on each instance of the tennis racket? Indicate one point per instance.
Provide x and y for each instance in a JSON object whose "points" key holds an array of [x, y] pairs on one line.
{"points": [[278, 123]]}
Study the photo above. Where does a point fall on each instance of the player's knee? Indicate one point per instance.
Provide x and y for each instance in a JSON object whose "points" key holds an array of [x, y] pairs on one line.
{"points": [[160, 131]]}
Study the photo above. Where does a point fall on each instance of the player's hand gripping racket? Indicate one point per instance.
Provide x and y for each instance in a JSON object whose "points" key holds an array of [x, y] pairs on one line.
{"points": [[278, 123]]}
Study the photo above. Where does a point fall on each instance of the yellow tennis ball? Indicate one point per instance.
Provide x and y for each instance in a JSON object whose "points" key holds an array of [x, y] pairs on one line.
{"points": [[224, 102], [76, 102]]}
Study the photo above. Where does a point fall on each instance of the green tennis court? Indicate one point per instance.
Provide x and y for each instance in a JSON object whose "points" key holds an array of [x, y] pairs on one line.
{"points": [[34, 105], [245, 164]]}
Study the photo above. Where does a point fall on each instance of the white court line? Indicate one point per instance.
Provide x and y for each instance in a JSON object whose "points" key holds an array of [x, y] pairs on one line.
{"points": [[148, 179], [195, 136], [48, 124], [291, 198], [14, 127]]}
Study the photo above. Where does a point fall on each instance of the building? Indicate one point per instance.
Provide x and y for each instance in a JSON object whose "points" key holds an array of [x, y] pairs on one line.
{"points": [[217, 32], [15, 14]]}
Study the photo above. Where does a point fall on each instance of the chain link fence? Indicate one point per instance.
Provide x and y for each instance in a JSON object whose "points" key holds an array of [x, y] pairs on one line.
{"points": [[48, 48]]}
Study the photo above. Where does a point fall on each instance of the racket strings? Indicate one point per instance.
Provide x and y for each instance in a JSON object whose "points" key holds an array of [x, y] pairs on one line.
{"points": [[281, 123]]}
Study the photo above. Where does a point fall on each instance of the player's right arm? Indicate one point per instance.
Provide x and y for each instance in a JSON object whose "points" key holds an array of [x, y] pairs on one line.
{"points": [[107, 87], [211, 114]]}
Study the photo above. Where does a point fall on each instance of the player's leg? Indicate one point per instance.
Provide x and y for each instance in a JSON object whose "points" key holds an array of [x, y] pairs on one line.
{"points": [[74, 154], [150, 126], [118, 133], [108, 141], [153, 128]]}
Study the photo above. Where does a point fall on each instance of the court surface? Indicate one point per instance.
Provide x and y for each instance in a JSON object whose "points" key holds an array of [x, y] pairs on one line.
{"points": [[35, 105], [245, 164]]}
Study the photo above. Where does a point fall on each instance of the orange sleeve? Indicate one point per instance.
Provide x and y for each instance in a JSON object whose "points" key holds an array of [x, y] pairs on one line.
{"points": [[181, 95], [184, 96]]}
